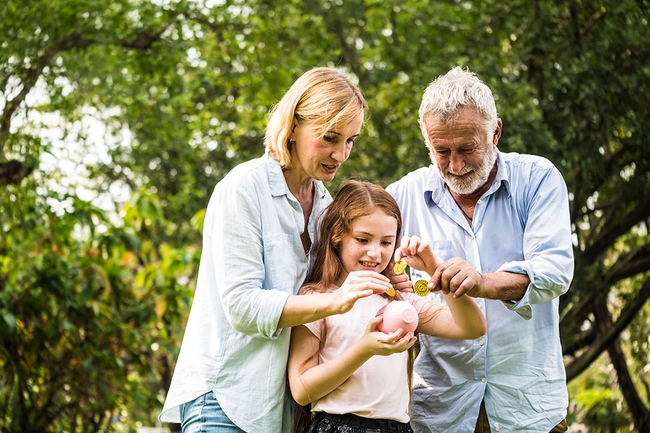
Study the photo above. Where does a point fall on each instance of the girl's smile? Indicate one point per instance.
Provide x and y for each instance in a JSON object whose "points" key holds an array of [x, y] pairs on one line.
{"points": [[370, 244]]}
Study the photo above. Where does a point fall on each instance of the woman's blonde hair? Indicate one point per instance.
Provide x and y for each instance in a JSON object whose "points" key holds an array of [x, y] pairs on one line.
{"points": [[322, 98]]}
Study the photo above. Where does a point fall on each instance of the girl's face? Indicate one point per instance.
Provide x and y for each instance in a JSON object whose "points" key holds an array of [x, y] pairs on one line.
{"points": [[370, 244]]}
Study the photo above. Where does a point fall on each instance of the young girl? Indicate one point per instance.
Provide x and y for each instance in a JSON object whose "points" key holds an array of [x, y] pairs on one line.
{"points": [[332, 363]]}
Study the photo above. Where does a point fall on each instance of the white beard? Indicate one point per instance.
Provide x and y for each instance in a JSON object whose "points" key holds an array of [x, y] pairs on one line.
{"points": [[479, 174]]}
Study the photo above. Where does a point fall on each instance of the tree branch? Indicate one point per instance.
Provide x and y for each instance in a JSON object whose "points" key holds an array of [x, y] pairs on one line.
{"points": [[629, 264], [613, 229], [606, 338], [639, 411]]}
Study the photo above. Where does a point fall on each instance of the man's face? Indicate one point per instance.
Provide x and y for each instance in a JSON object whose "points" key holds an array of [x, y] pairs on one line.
{"points": [[462, 150]]}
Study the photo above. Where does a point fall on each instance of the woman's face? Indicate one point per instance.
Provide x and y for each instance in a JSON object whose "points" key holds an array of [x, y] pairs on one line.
{"points": [[370, 244], [320, 157]]}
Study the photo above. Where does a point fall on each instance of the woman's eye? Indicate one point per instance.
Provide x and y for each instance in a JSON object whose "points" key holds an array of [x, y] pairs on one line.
{"points": [[362, 240]]}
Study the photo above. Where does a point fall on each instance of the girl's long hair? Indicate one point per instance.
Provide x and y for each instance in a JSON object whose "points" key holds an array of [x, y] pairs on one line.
{"points": [[355, 199]]}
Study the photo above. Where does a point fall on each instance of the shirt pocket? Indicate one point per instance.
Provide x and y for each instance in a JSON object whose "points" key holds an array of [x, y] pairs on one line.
{"points": [[442, 249], [283, 269]]}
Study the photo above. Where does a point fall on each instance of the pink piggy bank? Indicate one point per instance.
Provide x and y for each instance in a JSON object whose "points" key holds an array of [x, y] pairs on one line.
{"points": [[398, 314]]}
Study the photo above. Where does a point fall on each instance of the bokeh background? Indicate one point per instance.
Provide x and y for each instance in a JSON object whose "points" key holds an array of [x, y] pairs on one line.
{"points": [[117, 119]]}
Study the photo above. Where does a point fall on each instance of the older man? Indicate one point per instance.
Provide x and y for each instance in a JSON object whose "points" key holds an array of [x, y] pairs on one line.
{"points": [[500, 222]]}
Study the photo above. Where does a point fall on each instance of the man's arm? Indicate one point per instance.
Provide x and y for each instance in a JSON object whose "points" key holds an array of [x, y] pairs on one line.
{"points": [[458, 277]]}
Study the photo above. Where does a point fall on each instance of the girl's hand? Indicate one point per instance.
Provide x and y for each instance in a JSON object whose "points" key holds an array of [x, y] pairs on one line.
{"points": [[357, 285], [417, 253], [380, 343], [400, 282]]}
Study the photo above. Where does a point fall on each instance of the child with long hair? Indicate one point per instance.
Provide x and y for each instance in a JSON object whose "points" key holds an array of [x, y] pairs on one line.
{"points": [[356, 378]]}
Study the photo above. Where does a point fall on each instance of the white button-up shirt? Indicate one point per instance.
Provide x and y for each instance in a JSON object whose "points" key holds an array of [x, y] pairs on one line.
{"points": [[252, 260], [520, 225]]}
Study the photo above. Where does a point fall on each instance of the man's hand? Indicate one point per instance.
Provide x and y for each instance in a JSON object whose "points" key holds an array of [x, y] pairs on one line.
{"points": [[458, 277]]}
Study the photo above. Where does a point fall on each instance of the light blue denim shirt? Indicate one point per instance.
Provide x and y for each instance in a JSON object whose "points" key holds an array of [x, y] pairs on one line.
{"points": [[520, 225], [252, 260]]}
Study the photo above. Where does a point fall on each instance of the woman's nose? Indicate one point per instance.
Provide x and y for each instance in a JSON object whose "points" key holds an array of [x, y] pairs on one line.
{"points": [[341, 152]]}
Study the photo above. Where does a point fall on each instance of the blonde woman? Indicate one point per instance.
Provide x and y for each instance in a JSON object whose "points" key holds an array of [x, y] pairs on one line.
{"points": [[257, 249]]}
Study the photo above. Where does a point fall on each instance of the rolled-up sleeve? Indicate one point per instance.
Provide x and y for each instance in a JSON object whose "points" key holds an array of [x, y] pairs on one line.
{"points": [[548, 251], [254, 262]]}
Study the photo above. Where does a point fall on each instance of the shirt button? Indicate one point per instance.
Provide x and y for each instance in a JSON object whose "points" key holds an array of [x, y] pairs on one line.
{"points": [[483, 379], [496, 426], [479, 201], [481, 343]]}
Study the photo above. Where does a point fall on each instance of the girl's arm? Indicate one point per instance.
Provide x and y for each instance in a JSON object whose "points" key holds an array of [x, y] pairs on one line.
{"points": [[310, 381], [463, 319]]}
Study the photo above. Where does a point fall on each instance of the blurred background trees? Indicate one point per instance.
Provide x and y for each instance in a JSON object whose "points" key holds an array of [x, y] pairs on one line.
{"points": [[117, 119]]}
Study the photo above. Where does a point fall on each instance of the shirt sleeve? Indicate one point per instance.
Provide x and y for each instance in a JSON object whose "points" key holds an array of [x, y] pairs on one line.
{"points": [[548, 251], [239, 245]]}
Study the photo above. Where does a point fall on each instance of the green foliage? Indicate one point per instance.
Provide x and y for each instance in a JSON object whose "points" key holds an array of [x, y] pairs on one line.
{"points": [[597, 402], [118, 118]]}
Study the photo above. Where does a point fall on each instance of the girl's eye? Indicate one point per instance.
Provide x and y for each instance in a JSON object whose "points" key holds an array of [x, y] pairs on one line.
{"points": [[387, 243], [362, 240], [330, 138]]}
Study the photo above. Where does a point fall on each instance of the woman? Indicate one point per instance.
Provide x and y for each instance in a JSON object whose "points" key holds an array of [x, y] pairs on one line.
{"points": [[257, 240]]}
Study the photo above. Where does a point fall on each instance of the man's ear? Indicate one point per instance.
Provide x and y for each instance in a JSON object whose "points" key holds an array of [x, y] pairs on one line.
{"points": [[497, 133]]}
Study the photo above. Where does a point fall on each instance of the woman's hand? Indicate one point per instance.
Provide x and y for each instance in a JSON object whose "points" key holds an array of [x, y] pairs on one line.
{"points": [[357, 285]]}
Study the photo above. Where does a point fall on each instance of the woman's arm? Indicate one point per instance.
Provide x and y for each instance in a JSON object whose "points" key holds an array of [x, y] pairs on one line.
{"points": [[301, 309]]}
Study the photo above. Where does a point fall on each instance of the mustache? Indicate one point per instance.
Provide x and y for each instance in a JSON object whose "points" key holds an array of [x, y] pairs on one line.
{"points": [[463, 171]]}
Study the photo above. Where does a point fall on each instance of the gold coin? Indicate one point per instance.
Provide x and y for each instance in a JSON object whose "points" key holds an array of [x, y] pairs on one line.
{"points": [[391, 291], [421, 287], [400, 266]]}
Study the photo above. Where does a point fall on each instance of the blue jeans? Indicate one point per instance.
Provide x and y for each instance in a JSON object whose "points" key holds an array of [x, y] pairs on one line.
{"points": [[204, 415]]}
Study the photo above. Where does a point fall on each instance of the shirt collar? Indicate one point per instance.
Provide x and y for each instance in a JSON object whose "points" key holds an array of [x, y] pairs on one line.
{"points": [[278, 184]]}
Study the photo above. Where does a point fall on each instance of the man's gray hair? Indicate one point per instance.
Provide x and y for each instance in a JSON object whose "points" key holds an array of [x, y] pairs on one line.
{"points": [[448, 94]]}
